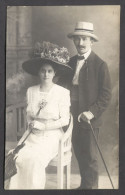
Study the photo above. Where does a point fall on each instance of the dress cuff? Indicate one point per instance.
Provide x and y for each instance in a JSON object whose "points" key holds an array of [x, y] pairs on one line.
{"points": [[79, 117], [39, 125]]}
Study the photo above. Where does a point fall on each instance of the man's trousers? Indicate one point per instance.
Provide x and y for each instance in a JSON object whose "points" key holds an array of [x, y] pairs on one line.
{"points": [[86, 152]]}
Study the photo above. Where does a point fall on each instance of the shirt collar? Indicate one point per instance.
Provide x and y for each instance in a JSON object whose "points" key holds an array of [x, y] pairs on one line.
{"points": [[86, 55]]}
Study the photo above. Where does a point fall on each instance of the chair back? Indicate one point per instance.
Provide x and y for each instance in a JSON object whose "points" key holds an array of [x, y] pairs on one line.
{"points": [[66, 138], [65, 145], [17, 123]]}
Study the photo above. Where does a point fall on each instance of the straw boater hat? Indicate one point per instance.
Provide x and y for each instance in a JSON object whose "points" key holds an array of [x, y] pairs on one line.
{"points": [[46, 52], [85, 29]]}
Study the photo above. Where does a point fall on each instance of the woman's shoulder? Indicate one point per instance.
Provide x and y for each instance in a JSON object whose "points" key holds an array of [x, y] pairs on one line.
{"points": [[61, 89], [62, 95], [32, 88]]}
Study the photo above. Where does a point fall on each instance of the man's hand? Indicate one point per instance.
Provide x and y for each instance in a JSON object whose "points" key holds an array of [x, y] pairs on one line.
{"points": [[85, 116]]}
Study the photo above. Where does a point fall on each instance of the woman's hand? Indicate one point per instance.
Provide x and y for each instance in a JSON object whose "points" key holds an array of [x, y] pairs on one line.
{"points": [[31, 125], [10, 151], [36, 131], [37, 127]]}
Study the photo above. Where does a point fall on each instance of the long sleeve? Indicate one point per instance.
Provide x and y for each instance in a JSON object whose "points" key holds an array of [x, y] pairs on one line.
{"points": [[104, 92], [64, 110], [29, 105]]}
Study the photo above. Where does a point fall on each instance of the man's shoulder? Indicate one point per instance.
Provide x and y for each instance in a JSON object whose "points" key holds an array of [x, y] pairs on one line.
{"points": [[73, 58], [98, 63], [72, 61], [93, 56], [96, 58]]}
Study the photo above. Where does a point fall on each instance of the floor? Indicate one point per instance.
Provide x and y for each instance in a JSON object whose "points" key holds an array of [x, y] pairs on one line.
{"points": [[104, 182], [51, 182]]}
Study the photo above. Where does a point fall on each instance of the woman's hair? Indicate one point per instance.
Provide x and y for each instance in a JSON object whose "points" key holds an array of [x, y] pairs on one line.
{"points": [[51, 64]]}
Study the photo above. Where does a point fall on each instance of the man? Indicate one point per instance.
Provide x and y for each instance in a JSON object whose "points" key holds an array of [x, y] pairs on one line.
{"points": [[90, 95]]}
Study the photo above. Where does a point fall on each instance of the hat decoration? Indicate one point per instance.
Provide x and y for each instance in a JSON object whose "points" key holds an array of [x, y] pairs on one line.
{"points": [[44, 52], [51, 51]]}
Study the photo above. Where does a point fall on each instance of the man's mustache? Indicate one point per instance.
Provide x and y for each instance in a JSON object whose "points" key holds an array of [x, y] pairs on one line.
{"points": [[81, 47]]}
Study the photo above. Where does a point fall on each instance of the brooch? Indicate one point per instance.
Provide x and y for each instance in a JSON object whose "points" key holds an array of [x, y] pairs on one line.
{"points": [[42, 104]]}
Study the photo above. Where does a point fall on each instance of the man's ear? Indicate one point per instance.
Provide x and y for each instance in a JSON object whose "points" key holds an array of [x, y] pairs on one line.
{"points": [[92, 40], [55, 73]]}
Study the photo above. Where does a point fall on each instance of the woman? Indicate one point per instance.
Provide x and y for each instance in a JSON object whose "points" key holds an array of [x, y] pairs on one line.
{"points": [[47, 112]]}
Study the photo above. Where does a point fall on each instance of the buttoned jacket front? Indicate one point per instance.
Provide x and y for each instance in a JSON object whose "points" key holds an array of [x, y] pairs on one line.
{"points": [[94, 87]]}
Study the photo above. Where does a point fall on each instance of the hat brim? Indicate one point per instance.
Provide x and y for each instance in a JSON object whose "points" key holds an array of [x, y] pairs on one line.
{"points": [[71, 35], [33, 65]]}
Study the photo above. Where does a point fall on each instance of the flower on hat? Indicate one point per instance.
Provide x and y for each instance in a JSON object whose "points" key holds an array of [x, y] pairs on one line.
{"points": [[51, 51]]}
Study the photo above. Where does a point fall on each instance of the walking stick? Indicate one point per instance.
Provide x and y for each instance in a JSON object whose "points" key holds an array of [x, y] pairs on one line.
{"points": [[101, 154]]}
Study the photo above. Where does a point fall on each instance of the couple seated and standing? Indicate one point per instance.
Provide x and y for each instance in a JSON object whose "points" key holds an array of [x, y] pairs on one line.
{"points": [[48, 108]]}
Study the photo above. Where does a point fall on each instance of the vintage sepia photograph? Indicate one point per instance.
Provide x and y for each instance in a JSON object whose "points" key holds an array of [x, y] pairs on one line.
{"points": [[62, 97]]}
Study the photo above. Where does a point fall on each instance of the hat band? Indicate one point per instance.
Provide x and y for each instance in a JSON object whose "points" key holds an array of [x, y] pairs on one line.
{"points": [[81, 29]]}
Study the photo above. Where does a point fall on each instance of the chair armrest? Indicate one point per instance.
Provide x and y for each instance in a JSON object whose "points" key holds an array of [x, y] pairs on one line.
{"points": [[65, 136], [68, 133]]}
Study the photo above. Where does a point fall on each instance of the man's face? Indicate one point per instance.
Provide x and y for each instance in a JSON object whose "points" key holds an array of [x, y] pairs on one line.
{"points": [[82, 43]]}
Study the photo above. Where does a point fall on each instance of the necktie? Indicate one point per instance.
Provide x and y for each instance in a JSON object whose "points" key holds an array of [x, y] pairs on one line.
{"points": [[80, 57]]}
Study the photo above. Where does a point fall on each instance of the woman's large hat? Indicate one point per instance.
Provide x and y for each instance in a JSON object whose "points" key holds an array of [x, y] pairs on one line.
{"points": [[85, 29], [46, 52]]}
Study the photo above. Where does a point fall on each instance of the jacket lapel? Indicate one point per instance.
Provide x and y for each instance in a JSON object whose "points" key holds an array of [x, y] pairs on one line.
{"points": [[88, 61], [74, 63]]}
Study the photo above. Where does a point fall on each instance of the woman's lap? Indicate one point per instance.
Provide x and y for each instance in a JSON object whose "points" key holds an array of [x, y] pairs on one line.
{"points": [[32, 160], [41, 149]]}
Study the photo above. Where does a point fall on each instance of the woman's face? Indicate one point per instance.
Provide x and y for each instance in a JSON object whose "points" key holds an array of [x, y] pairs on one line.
{"points": [[46, 73]]}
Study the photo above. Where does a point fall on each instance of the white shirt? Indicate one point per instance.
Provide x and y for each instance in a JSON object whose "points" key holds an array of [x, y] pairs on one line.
{"points": [[79, 65]]}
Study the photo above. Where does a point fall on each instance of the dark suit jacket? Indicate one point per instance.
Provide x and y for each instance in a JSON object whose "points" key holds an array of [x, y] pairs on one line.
{"points": [[94, 87]]}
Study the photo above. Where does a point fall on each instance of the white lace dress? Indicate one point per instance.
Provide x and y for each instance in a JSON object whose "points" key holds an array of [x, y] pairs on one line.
{"points": [[41, 148]]}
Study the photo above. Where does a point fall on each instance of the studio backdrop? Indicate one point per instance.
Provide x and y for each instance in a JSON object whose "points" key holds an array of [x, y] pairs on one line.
{"points": [[29, 24]]}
